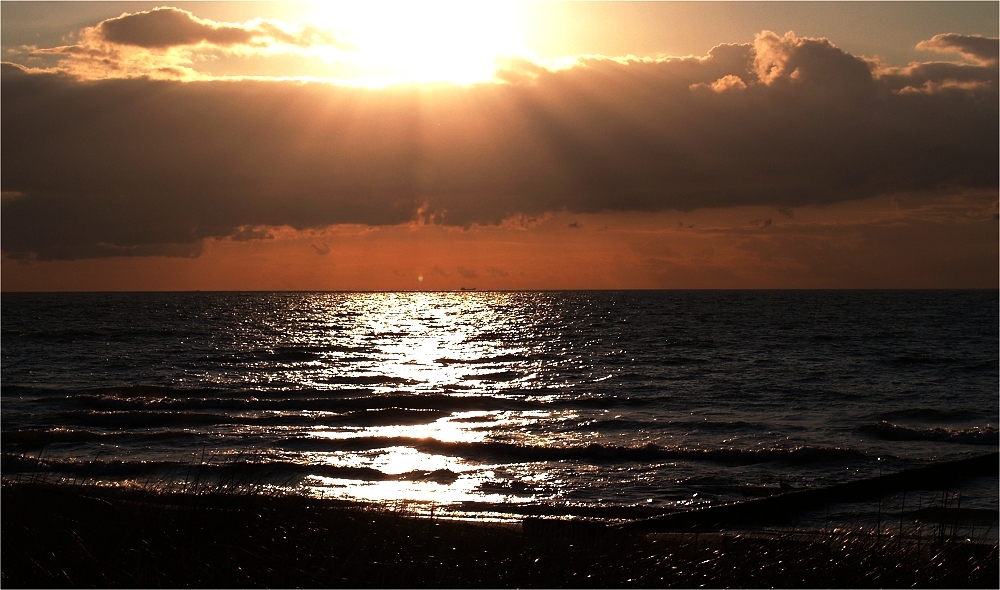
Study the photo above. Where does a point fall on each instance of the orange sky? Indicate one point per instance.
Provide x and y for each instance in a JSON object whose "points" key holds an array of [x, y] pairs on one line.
{"points": [[134, 160]]}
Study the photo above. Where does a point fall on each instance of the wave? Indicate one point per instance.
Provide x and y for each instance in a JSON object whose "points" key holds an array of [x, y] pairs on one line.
{"points": [[369, 380], [315, 400], [66, 334], [677, 361], [621, 424], [107, 333], [13, 464], [514, 488], [923, 359], [37, 437], [985, 435], [148, 399], [238, 469], [151, 419], [704, 343], [136, 424], [498, 377], [609, 401], [594, 453], [137, 419], [929, 414], [503, 358], [118, 391]]}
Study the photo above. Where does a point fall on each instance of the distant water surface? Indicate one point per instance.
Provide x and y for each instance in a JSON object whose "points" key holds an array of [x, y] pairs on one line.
{"points": [[630, 398]]}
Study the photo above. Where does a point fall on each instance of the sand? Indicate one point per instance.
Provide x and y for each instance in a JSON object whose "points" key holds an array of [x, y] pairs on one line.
{"points": [[62, 536]]}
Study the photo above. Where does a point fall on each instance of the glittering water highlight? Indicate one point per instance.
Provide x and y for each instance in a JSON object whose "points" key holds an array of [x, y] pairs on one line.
{"points": [[630, 399]]}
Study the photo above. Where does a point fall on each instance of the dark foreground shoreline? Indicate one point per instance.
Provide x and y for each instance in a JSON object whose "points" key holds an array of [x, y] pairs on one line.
{"points": [[61, 536]]}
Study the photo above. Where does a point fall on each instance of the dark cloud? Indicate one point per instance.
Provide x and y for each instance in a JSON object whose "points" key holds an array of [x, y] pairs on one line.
{"points": [[150, 162], [937, 75], [167, 27], [985, 50], [245, 234], [140, 166]]}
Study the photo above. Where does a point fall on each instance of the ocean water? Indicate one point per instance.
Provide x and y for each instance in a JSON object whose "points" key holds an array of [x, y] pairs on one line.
{"points": [[479, 401]]}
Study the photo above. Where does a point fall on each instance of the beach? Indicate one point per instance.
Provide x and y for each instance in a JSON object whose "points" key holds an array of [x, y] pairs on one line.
{"points": [[89, 536], [516, 294], [529, 439]]}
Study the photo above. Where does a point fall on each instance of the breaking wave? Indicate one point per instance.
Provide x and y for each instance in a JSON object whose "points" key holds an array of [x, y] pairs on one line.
{"points": [[985, 435]]}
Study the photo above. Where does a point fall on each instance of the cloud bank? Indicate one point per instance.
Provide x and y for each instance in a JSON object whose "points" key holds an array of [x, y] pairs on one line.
{"points": [[974, 47], [168, 42], [166, 27], [141, 166]]}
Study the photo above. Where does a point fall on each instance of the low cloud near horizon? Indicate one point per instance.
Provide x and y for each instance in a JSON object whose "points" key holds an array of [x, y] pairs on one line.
{"points": [[136, 166]]}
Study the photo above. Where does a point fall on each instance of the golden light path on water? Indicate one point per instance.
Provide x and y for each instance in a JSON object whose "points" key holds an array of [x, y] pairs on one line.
{"points": [[477, 403], [433, 343]]}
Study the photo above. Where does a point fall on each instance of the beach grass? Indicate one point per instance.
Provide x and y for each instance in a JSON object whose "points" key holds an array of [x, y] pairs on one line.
{"points": [[90, 536]]}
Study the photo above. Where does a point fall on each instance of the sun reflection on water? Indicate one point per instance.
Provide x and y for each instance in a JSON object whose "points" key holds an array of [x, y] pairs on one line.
{"points": [[426, 343], [415, 369], [463, 490], [475, 426], [429, 341]]}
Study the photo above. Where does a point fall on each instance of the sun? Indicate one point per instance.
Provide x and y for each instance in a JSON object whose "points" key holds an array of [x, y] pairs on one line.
{"points": [[405, 42]]}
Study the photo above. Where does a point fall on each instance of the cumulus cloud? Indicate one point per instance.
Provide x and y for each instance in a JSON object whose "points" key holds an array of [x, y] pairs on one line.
{"points": [[141, 166], [940, 76], [167, 27], [811, 63], [166, 42], [933, 77], [729, 82], [246, 234], [985, 50]]}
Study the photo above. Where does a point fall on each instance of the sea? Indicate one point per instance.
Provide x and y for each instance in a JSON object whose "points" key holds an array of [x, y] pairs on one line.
{"points": [[606, 404]]}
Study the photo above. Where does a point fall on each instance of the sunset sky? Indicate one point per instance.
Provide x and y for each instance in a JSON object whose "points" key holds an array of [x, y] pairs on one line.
{"points": [[360, 146]]}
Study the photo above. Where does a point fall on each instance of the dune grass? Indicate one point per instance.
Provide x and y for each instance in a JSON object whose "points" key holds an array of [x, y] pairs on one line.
{"points": [[63, 536]]}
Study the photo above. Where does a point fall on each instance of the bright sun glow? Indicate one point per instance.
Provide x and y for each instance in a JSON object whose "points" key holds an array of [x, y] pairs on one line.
{"points": [[455, 42]]}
